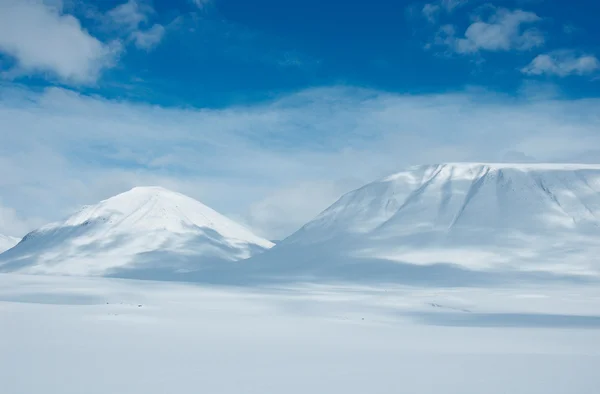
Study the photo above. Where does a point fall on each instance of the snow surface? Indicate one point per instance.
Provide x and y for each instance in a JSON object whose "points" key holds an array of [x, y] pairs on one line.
{"points": [[7, 242], [146, 228], [438, 222], [72, 335]]}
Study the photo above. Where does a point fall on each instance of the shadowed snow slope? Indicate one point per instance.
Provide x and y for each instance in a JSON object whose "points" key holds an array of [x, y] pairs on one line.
{"points": [[7, 242], [146, 228], [437, 221]]}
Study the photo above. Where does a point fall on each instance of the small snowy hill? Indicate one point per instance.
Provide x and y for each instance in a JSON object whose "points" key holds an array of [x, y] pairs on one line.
{"points": [[431, 222], [7, 242], [143, 232]]}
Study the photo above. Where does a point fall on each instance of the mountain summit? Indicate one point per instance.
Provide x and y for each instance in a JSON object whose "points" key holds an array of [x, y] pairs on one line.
{"points": [[144, 229], [472, 216]]}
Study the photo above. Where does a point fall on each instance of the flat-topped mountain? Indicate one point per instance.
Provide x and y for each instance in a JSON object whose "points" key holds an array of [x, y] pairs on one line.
{"points": [[473, 216]]}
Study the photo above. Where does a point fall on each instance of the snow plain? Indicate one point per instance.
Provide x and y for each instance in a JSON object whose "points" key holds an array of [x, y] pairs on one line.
{"points": [[70, 335]]}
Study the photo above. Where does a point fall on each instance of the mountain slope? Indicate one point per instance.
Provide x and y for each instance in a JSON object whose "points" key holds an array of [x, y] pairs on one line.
{"points": [[147, 229], [464, 216], [7, 242]]}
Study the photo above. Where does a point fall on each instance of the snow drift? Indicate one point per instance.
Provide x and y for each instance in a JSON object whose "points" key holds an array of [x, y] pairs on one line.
{"points": [[144, 229], [435, 222]]}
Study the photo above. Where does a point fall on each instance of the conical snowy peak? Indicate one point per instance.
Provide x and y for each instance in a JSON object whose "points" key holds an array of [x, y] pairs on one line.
{"points": [[146, 228], [7, 242], [523, 217], [158, 209]]}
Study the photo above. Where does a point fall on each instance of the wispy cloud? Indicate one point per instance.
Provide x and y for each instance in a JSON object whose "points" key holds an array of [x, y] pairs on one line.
{"points": [[131, 20], [451, 5], [562, 63], [44, 41], [288, 158], [288, 208], [431, 11], [201, 3], [148, 39], [130, 15], [15, 223]]}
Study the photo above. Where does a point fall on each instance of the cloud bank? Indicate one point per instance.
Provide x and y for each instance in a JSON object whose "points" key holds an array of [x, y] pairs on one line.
{"points": [[274, 165]]}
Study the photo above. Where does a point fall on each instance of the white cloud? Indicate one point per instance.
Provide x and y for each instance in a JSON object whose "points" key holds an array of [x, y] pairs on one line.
{"points": [[503, 31], [148, 39], [130, 15], [131, 19], [201, 3], [275, 164], [42, 40], [13, 224], [532, 89], [287, 209], [444, 36], [450, 5], [562, 63], [517, 157], [571, 29], [431, 11]]}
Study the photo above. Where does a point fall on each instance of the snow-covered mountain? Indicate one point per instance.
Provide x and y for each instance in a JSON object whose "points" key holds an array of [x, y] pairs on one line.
{"points": [[142, 232], [7, 242], [436, 221]]}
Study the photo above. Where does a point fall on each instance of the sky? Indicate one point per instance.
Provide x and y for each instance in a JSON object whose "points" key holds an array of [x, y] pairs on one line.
{"points": [[269, 110]]}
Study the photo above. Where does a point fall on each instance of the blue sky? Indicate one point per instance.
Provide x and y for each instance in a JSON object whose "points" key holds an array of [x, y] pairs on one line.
{"points": [[269, 110], [226, 52]]}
